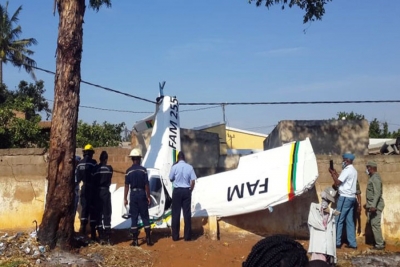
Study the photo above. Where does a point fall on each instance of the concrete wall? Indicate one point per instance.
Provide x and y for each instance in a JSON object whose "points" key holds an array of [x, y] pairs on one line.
{"points": [[23, 175], [220, 130], [23, 180], [327, 136]]}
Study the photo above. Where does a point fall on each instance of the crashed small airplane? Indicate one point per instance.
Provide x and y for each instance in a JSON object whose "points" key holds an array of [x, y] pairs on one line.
{"points": [[261, 180]]}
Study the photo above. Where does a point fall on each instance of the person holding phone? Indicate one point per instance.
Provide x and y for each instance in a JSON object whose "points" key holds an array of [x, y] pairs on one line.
{"points": [[346, 183]]}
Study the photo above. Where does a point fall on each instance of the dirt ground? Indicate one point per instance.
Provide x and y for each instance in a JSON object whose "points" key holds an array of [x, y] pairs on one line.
{"points": [[230, 250]]}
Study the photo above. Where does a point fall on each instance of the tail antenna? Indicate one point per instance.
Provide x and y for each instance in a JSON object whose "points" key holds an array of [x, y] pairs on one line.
{"points": [[161, 86]]}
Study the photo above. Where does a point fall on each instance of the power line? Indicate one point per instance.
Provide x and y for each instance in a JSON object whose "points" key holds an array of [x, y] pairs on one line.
{"points": [[108, 109], [197, 109], [117, 110], [102, 87], [237, 103], [292, 102], [136, 112]]}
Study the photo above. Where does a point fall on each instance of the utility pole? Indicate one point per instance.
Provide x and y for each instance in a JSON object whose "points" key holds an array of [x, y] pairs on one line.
{"points": [[126, 134], [223, 112]]}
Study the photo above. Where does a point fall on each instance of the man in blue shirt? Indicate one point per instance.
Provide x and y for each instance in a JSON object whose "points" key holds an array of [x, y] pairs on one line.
{"points": [[183, 177]]}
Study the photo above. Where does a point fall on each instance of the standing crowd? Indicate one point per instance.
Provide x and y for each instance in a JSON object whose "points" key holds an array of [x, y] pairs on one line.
{"points": [[327, 224], [95, 196]]}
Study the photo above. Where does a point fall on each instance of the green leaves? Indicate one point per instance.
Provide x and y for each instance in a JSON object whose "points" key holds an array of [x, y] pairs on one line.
{"points": [[28, 100], [13, 49], [99, 135], [96, 4], [377, 129], [349, 116], [315, 9]]}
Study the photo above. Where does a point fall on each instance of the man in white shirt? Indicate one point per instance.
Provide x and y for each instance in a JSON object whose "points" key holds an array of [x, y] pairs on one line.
{"points": [[347, 186]]}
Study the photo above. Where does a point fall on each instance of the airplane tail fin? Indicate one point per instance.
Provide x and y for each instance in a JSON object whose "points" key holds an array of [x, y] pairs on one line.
{"points": [[165, 141]]}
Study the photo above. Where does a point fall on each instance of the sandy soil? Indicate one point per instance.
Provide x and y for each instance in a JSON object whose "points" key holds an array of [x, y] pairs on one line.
{"points": [[230, 250]]}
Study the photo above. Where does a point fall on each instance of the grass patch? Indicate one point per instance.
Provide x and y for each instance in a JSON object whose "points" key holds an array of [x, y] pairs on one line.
{"points": [[14, 263]]}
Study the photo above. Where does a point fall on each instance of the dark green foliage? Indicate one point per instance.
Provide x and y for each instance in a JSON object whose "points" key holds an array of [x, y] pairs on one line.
{"points": [[96, 4], [22, 132], [99, 135], [34, 92], [350, 116], [315, 9], [377, 129]]}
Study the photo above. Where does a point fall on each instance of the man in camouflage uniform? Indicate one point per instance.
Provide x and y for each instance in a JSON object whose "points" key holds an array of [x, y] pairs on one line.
{"points": [[375, 204]]}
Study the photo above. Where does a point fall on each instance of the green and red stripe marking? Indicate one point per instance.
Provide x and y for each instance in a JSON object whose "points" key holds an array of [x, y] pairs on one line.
{"points": [[292, 170]]}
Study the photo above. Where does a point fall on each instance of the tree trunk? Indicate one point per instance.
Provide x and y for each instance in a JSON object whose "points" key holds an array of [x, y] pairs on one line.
{"points": [[57, 226]]}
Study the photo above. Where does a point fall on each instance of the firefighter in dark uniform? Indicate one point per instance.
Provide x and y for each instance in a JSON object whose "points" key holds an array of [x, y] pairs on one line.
{"points": [[84, 173], [137, 181], [103, 175]]}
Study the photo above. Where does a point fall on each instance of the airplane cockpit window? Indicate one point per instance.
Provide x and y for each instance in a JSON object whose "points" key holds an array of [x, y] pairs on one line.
{"points": [[155, 191]]}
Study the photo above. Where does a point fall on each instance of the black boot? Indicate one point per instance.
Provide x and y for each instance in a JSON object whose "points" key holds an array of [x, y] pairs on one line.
{"points": [[135, 235], [107, 236], [148, 237], [101, 233], [93, 232], [82, 229]]}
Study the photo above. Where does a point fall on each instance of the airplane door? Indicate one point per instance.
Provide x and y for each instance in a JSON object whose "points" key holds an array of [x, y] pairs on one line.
{"points": [[157, 194]]}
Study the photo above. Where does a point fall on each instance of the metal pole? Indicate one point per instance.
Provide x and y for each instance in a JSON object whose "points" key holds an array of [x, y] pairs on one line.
{"points": [[223, 112]]}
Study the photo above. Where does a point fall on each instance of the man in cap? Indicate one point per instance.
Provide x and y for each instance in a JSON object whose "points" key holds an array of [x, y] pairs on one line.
{"points": [[183, 178], [347, 187], [137, 181], [375, 204], [84, 174], [321, 223]]}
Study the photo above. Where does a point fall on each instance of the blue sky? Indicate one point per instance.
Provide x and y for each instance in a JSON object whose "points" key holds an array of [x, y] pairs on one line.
{"points": [[227, 51]]}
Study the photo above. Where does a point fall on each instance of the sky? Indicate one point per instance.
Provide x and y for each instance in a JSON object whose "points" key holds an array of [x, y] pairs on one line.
{"points": [[226, 51]]}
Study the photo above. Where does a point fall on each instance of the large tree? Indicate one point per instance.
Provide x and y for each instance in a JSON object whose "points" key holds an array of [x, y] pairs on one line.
{"points": [[57, 226], [12, 49], [57, 222]]}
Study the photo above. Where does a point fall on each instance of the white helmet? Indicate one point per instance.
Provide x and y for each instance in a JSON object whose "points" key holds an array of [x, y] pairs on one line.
{"points": [[136, 152]]}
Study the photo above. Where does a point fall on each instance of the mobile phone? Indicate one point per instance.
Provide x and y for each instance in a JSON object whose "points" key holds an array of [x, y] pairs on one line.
{"points": [[331, 164]]}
